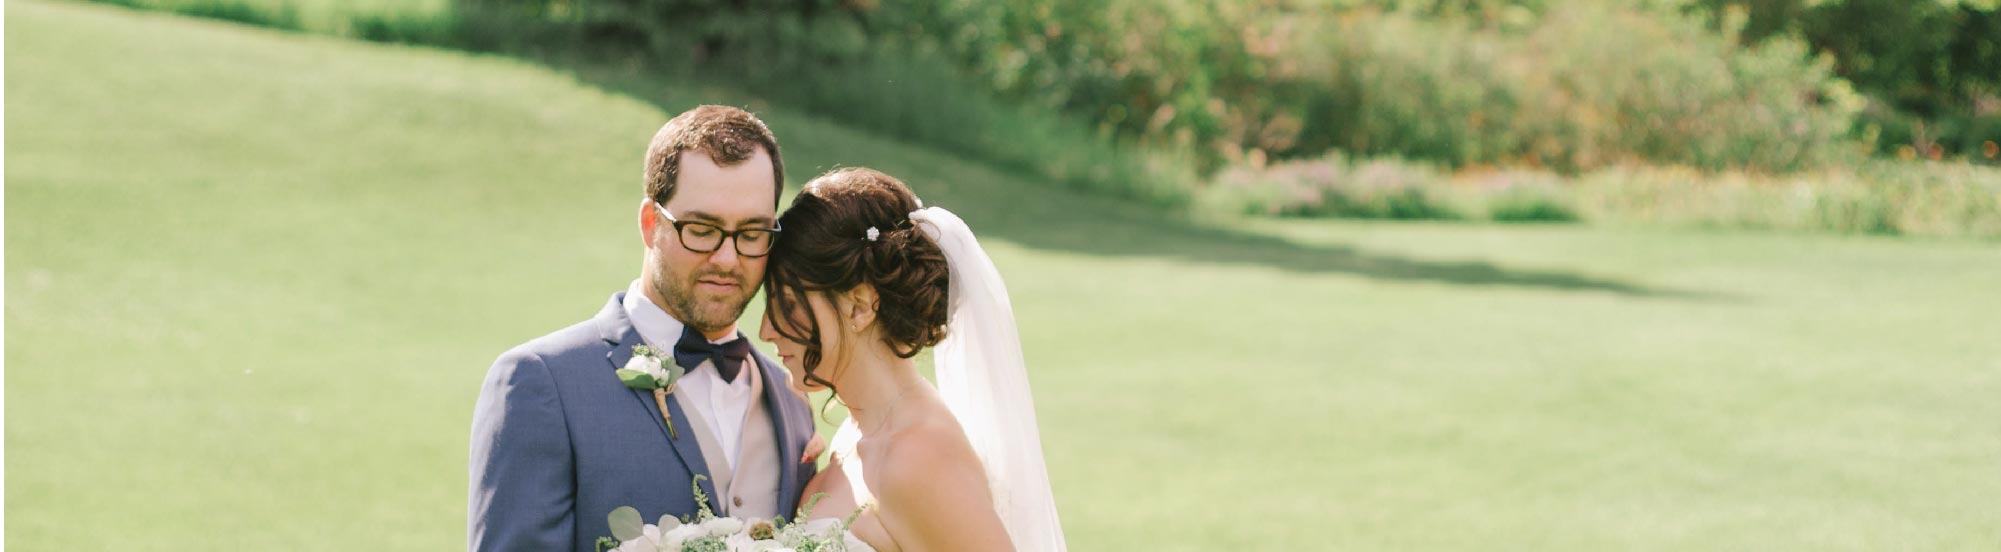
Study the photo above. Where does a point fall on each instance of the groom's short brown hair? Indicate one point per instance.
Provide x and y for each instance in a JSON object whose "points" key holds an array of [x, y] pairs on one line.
{"points": [[726, 134]]}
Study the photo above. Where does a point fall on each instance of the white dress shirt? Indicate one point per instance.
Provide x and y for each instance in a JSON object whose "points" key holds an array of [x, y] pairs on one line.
{"points": [[723, 405]]}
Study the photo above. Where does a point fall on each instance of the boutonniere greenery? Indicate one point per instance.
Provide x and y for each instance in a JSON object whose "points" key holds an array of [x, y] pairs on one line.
{"points": [[646, 372]]}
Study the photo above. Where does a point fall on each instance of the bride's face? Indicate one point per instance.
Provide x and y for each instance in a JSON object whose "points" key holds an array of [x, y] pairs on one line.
{"points": [[819, 313]]}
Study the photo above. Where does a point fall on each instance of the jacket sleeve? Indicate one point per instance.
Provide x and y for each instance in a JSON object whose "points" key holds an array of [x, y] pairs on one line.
{"points": [[520, 473]]}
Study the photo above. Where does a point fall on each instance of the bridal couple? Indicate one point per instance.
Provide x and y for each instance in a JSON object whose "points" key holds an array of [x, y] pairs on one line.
{"points": [[859, 277]]}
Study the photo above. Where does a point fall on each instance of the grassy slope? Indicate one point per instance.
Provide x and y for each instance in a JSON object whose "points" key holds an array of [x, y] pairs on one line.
{"points": [[253, 280]]}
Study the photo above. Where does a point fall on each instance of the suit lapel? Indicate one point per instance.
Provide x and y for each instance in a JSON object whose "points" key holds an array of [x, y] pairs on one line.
{"points": [[622, 337]]}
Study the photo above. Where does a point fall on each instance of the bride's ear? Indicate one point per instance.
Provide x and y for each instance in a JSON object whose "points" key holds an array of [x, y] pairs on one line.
{"points": [[858, 307]]}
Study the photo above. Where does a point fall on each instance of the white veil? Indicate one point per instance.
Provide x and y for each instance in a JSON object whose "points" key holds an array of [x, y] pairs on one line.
{"points": [[983, 379]]}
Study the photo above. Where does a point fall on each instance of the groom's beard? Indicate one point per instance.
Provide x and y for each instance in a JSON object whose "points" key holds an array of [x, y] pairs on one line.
{"points": [[706, 312]]}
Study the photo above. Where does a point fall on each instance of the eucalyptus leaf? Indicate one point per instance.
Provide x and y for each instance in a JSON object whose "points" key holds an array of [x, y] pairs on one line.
{"points": [[668, 523], [626, 524]]}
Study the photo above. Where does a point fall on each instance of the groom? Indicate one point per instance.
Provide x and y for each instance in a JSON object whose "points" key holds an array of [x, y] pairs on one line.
{"points": [[558, 441]]}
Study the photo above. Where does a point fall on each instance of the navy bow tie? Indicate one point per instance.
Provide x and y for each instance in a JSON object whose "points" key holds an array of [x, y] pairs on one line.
{"points": [[728, 357]]}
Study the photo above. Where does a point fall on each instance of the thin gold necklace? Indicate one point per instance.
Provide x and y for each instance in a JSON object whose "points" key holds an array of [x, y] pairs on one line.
{"points": [[894, 404]]}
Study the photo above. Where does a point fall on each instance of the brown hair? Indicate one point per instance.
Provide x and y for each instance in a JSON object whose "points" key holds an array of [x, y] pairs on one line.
{"points": [[826, 248], [726, 134]]}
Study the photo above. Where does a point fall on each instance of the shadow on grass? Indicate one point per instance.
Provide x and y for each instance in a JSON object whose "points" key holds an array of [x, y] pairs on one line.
{"points": [[1063, 220], [1011, 207]]}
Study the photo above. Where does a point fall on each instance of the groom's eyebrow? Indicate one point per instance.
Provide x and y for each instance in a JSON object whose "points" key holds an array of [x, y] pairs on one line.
{"points": [[702, 216]]}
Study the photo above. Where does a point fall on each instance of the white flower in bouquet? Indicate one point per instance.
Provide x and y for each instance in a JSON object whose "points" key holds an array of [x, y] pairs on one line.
{"points": [[767, 545], [708, 532], [723, 527], [738, 542], [675, 537], [648, 541]]}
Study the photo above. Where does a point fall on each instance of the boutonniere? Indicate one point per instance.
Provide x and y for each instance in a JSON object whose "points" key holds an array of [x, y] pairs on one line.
{"points": [[646, 372]]}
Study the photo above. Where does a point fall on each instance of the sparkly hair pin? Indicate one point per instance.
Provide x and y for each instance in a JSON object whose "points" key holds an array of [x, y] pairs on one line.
{"points": [[873, 233]]}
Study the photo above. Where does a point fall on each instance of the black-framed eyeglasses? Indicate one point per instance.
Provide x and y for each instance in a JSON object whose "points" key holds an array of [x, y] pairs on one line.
{"points": [[702, 237]]}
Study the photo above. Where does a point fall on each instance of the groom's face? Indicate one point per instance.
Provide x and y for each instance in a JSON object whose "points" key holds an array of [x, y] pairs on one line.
{"points": [[708, 291]]}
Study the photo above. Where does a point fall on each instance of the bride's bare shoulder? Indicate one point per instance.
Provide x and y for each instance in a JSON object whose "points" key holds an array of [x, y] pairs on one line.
{"points": [[933, 448], [934, 493]]}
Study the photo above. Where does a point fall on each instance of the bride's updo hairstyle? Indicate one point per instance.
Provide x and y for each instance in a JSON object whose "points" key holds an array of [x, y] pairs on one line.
{"points": [[827, 246]]}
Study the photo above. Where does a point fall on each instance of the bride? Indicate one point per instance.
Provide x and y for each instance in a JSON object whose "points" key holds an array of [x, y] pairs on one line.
{"points": [[865, 278]]}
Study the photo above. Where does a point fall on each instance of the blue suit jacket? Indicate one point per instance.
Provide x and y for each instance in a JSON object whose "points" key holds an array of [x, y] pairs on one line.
{"points": [[558, 442]]}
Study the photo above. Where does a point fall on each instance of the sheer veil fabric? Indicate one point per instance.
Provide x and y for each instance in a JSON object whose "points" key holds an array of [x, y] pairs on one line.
{"points": [[984, 381]]}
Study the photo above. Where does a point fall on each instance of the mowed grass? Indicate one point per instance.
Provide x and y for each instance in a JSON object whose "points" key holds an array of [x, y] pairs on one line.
{"points": [[253, 281]]}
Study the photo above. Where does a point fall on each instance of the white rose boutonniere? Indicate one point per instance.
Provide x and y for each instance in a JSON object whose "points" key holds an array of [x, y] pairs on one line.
{"points": [[646, 372]]}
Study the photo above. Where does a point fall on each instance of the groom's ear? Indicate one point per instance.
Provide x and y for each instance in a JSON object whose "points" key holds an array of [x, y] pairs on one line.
{"points": [[647, 220]]}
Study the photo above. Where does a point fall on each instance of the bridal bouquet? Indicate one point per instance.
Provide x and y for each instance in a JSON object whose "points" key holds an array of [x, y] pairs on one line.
{"points": [[708, 533]]}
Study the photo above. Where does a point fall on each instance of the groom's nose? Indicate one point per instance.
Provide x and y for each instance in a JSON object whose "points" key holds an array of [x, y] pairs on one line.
{"points": [[725, 255]]}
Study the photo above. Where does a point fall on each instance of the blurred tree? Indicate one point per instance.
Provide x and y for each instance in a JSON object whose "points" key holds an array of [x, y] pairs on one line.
{"points": [[1935, 64]]}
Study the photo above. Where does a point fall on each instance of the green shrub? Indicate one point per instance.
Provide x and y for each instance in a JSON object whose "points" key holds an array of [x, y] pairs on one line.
{"points": [[1931, 68], [1530, 204], [282, 18], [1135, 97], [1138, 98], [264, 14], [1583, 88], [1569, 85], [335, 17], [1334, 186], [1875, 197], [1936, 199], [404, 28]]}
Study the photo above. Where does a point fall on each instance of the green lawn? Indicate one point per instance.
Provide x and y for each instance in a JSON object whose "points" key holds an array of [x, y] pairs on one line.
{"points": [[253, 280]]}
